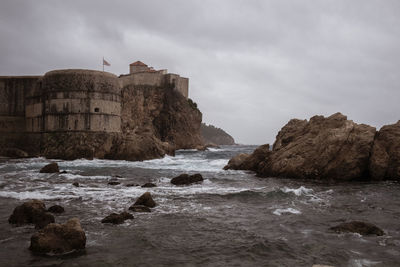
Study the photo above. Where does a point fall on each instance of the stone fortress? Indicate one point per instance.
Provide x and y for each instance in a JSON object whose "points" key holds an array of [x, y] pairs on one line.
{"points": [[72, 100]]}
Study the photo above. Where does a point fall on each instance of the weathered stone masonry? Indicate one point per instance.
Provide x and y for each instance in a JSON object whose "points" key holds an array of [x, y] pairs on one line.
{"points": [[72, 102]]}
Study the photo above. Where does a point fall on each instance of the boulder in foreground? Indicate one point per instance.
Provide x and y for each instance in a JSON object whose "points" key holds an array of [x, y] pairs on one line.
{"points": [[145, 200], [361, 228], [116, 218], [33, 211], [186, 179], [59, 238], [50, 168]]}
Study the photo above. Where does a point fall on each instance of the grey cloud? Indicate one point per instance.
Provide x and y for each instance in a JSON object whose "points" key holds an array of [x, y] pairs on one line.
{"points": [[253, 65]]}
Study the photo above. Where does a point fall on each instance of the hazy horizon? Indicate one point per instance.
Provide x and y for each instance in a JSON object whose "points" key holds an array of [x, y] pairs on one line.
{"points": [[252, 66]]}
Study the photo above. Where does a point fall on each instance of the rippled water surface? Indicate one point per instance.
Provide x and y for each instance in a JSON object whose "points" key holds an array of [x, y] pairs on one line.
{"points": [[233, 218]]}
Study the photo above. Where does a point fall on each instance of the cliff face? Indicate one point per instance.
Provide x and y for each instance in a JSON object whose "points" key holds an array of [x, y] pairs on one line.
{"points": [[155, 122], [212, 134]]}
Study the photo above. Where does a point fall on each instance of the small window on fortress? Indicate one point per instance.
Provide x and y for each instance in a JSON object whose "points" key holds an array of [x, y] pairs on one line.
{"points": [[96, 109]]}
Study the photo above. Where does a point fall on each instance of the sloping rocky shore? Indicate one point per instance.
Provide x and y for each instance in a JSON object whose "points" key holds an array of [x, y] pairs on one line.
{"points": [[332, 148]]}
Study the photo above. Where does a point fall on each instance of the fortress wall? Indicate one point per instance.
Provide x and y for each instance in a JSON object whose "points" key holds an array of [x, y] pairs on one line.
{"points": [[142, 78], [181, 83], [81, 100]]}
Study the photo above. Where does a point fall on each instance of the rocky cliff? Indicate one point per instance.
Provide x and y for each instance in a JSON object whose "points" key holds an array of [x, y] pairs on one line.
{"points": [[155, 121], [214, 135], [331, 148]]}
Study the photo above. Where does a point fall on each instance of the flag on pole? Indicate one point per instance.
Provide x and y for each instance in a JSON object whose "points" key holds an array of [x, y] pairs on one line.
{"points": [[106, 63]]}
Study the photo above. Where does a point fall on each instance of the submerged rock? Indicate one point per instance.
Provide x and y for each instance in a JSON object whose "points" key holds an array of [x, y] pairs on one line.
{"points": [[132, 184], [116, 218], [361, 228], [145, 200], [50, 168], [59, 238], [385, 156], [113, 183], [186, 179], [76, 184], [34, 212], [149, 185], [139, 208], [56, 209]]}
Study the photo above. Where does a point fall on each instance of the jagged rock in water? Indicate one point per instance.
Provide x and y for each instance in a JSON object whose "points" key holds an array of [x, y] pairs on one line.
{"points": [[214, 135], [361, 228], [139, 208], [50, 168], [113, 183], [237, 162], [76, 184], [33, 211], [186, 179], [145, 200], [132, 184], [249, 162], [331, 148], [385, 156], [116, 218], [14, 153], [59, 238], [56, 209], [149, 185]]}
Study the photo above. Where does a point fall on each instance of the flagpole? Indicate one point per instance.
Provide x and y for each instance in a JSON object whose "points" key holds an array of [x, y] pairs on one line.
{"points": [[103, 63]]}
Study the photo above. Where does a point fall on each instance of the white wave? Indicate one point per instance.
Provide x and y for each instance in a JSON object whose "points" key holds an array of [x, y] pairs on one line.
{"points": [[362, 263], [279, 212], [298, 192], [71, 176], [33, 195]]}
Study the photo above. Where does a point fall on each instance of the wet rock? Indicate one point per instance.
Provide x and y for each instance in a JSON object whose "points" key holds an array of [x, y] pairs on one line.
{"points": [[384, 163], [117, 176], [361, 228], [145, 200], [63, 172], [132, 184], [237, 162], [34, 212], [56, 209], [59, 238], [50, 168], [113, 183], [76, 184], [139, 208], [15, 153], [186, 179], [331, 148], [116, 218], [149, 185]]}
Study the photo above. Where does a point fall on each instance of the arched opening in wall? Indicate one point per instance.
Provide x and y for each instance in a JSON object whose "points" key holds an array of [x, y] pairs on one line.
{"points": [[96, 110]]}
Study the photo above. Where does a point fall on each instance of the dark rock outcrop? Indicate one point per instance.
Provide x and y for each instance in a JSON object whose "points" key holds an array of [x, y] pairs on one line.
{"points": [[76, 184], [50, 168], [331, 148], [186, 179], [249, 162], [149, 185], [145, 200], [56, 209], [139, 208], [214, 135], [385, 156], [34, 212], [361, 228], [132, 184], [113, 183], [59, 238], [116, 218]]}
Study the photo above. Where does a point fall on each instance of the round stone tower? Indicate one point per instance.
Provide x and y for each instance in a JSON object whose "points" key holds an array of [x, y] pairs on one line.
{"points": [[81, 101]]}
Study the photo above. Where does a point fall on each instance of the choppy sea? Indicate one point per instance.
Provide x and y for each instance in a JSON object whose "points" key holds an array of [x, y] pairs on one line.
{"points": [[233, 218]]}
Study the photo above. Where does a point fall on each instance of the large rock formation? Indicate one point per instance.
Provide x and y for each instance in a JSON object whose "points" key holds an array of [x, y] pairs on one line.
{"points": [[33, 211], [385, 157], [332, 148], [214, 135]]}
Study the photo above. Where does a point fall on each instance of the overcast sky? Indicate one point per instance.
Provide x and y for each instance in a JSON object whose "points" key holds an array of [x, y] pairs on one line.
{"points": [[252, 65]]}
